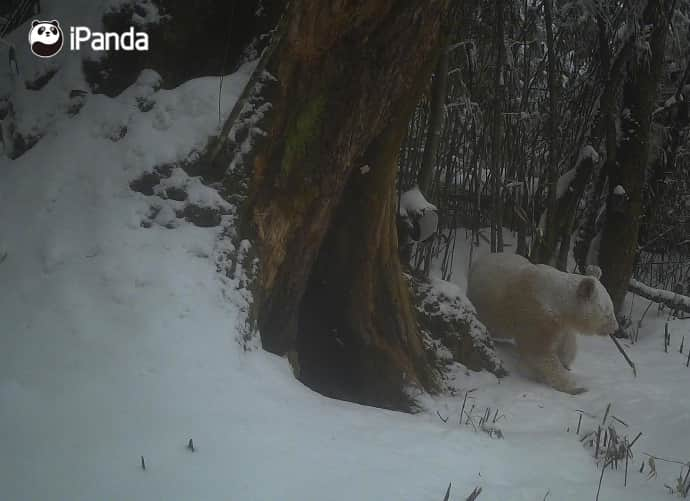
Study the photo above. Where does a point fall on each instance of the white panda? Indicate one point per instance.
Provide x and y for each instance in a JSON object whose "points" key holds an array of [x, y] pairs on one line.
{"points": [[541, 308], [46, 38]]}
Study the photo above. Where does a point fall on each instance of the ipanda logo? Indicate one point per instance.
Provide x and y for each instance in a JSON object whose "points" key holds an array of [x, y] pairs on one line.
{"points": [[46, 39]]}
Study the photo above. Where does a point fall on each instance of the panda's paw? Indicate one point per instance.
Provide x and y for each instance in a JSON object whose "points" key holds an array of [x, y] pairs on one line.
{"points": [[575, 390]]}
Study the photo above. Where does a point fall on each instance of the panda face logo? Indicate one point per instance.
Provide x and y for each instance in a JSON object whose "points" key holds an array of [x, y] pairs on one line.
{"points": [[45, 38]]}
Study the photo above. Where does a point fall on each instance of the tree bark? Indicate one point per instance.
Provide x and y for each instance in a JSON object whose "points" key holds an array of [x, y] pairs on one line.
{"points": [[337, 90], [623, 212]]}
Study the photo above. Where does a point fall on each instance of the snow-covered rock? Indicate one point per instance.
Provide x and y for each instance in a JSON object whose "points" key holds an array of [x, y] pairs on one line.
{"points": [[446, 315]]}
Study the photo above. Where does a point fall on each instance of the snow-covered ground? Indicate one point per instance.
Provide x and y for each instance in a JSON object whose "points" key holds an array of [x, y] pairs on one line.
{"points": [[119, 341]]}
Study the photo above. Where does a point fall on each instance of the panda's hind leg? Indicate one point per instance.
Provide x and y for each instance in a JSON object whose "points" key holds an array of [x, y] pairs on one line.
{"points": [[567, 349]]}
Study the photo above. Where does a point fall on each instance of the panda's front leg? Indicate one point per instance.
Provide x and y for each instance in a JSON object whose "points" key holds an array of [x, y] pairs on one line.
{"points": [[547, 367], [550, 370]]}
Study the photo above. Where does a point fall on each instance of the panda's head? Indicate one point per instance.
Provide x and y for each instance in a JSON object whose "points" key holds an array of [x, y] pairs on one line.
{"points": [[45, 38], [595, 308]]}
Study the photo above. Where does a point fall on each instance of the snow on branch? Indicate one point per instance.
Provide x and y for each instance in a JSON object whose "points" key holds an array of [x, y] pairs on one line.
{"points": [[412, 201], [564, 182], [587, 158], [673, 300], [419, 214]]}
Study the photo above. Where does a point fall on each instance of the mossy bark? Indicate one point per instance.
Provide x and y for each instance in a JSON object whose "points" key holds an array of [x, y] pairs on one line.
{"points": [[342, 80]]}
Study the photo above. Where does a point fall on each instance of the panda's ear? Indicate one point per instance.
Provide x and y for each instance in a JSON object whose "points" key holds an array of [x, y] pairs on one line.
{"points": [[54, 22], [593, 271], [35, 22], [585, 290]]}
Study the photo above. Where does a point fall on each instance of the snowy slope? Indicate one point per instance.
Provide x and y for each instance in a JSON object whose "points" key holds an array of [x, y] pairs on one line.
{"points": [[119, 341]]}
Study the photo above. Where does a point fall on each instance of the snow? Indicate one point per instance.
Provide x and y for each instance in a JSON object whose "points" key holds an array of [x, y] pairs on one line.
{"points": [[197, 193], [119, 341], [151, 13], [412, 201], [566, 179]]}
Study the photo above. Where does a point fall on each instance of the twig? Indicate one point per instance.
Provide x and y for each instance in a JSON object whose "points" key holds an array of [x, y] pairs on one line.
{"points": [[601, 477], [674, 461], [586, 413], [462, 410], [606, 414], [447, 496], [639, 322], [667, 338], [627, 457], [441, 417], [469, 417], [475, 494], [627, 358], [586, 436], [634, 440], [619, 420], [469, 420]]}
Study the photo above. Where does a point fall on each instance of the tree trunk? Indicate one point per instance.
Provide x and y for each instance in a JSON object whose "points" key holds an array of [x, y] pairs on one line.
{"points": [[620, 235], [433, 138], [547, 244], [612, 75], [338, 88], [497, 134]]}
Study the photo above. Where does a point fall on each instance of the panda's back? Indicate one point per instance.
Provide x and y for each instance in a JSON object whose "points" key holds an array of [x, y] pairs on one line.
{"points": [[492, 287]]}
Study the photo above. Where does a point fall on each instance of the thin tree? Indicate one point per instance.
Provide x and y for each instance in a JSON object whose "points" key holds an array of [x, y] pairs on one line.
{"points": [[497, 132], [627, 177], [439, 91], [546, 246]]}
